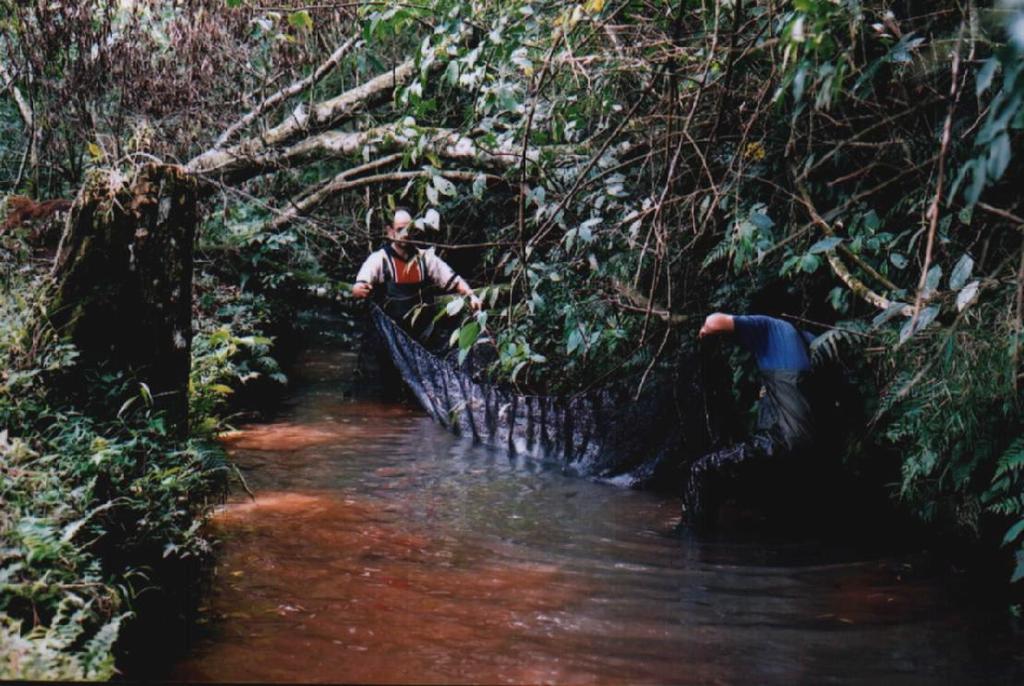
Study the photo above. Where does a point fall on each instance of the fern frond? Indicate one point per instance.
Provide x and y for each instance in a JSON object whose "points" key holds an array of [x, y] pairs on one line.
{"points": [[718, 253], [828, 346], [1012, 459]]}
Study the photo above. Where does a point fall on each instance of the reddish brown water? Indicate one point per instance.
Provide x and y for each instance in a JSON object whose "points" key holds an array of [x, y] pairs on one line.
{"points": [[381, 549]]}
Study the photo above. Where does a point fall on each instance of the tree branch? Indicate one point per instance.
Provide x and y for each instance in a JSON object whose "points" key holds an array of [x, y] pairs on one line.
{"points": [[840, 269], [445, 143], [238, 162], [288, 92], [25, 110], [933, 210], [638, 302], [344, 182]]}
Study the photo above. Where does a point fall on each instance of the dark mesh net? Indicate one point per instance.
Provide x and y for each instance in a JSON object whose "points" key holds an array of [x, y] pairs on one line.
{"points": [[604, 433]]}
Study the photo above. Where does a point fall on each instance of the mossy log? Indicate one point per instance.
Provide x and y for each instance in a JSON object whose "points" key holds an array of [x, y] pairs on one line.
{"points": [[123, 280]]}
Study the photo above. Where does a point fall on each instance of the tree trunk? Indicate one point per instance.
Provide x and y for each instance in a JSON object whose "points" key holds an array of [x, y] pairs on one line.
{"points": [[123, 278]]}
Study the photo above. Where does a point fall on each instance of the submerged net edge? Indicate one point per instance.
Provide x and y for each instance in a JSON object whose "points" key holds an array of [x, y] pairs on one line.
{"points": [[605, 433]]}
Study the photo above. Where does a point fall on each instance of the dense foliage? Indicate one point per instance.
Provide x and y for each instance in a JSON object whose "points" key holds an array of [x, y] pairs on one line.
{"points": [[99, 512], [613, 171]]}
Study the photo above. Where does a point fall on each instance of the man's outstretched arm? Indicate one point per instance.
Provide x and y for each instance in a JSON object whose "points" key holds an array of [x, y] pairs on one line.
{"points": [[446, 278], [370, 273], [717, 323]]}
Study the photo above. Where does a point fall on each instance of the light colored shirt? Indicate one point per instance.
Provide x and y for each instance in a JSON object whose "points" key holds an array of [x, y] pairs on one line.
{"points": [[384, 265]]}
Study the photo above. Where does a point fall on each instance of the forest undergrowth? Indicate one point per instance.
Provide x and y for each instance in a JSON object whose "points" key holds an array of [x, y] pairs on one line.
{"points": [[100, 514]]}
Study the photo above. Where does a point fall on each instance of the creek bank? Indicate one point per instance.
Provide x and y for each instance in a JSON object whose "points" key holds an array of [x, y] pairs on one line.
{"points": [[166, 615]]}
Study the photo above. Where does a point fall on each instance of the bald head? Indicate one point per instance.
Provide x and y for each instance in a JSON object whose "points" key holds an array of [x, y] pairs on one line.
{"points": [[401, 229], [401, 219]]}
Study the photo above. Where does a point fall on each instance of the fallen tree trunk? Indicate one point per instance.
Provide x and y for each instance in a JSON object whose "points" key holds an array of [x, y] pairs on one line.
{"points": [[123, 281], [235, 163]]}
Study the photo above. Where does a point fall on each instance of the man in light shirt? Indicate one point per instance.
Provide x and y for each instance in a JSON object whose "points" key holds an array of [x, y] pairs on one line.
{"points": [[406, 274]]}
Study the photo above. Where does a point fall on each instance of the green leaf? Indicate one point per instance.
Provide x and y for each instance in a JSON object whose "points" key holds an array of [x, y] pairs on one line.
{"points": [[961, 272], [443, 185], [973, 191], [468, 335], [926, 317], [961, 175], [507, 98], [518, 368], [871, 220], [799, 79], [985, 74], [761, 220], [575, 339], [1014, 533], [810, 263], [932, 278], [898, 260], [455, 306], [1018, 572], [999, 156], [124, 407], [301, 20], [838, 297], [967, 295], [1013, 457], [537, 195], [451, 74], [825, 244], [432, 219], [479, 184]]}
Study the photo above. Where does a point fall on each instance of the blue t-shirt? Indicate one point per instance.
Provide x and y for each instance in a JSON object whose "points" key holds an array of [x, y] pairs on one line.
{"points": [[775, 344]]}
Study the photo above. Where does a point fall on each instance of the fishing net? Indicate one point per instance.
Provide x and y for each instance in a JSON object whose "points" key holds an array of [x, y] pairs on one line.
{"points": [[606, 433]]}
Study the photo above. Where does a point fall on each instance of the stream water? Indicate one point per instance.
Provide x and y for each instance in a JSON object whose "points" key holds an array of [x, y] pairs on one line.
{"points": [[380, 549]]}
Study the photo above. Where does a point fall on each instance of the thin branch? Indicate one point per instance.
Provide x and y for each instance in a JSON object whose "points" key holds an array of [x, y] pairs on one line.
{"points": [[24, 109], [933, 211], [841, 270], [343, 182], [1009, 216], [638, 302], [288, 92]]}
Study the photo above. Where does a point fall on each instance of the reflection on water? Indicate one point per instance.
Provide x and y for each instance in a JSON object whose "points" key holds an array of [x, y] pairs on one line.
{"points": [[379, 548]]}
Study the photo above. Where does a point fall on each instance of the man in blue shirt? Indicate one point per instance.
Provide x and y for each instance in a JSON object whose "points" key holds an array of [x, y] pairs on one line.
{"points": [[784, 424]]}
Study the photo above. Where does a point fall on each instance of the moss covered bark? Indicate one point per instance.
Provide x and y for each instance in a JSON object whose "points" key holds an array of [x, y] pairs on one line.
{"points": [[123, 278]]}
